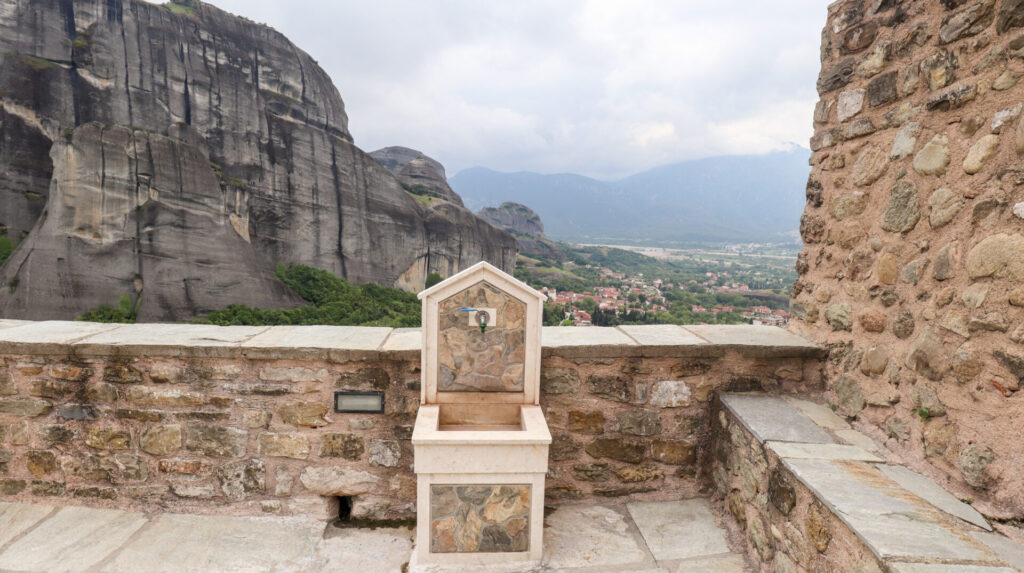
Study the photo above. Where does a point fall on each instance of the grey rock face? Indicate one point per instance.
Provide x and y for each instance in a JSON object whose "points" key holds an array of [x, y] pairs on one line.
{"points": [[525, 224], [190, 152], [418, 174]]}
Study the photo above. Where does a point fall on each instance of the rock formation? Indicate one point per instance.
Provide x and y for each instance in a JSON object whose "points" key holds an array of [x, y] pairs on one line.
{"points": [[914, 234], [525, 225], [177, 153], [418, 174]]}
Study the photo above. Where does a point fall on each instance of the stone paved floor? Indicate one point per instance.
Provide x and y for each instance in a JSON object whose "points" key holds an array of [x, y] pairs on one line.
{"points": [[665, 537]]}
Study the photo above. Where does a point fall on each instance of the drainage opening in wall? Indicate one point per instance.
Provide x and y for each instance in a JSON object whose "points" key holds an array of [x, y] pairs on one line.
{"points": [[344, 508]]}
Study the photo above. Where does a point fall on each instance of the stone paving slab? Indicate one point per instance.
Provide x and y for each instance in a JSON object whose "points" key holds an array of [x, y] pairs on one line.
{"points": [[891, 523], [47, 337], [820, 415], [855, 438], [16, 518], [560, 336], [769, 339], [821, 452], [169, 339], [724, 564], [72, 540], [662, 335], [11, 323], [678, 529], [589, 536], [939, 568], [1003, 547], [772, 418], [177, 542], [331, 340], [404, 340], [384, 550], [930, 491]]}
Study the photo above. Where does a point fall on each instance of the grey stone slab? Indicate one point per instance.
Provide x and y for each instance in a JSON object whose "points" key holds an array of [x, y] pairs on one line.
{"points": [[11, 323], [587, 342], [16, 518], [73, 540], [759, 339], [820, 415], [822, 452], [731, 563], [772, 418], [591, 536], [891, 523], [48, 337], [154, 339], [662, 335], [678, 529], [383, 550], [855, 438], [404, 340], [931, 492], [317, 341], [1011, 551], [940, 568], [221, 544], [561, 336]]}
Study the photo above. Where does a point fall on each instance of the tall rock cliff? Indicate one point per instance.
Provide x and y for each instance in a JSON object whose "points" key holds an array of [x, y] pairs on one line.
{"points": [[176, 153]]}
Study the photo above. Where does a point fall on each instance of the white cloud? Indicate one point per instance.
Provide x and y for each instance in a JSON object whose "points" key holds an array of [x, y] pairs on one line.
{"points": [[599, 87]]}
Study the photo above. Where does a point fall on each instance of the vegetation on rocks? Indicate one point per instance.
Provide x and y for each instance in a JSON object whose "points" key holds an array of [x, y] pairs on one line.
{"points": [[6, 248], [332, 300]]}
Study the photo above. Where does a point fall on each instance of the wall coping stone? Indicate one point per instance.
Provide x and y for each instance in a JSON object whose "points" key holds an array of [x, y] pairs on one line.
{"points": [[346, 343]]}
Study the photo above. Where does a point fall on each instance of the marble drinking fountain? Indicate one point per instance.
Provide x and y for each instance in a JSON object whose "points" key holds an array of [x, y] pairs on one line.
{"points": [[480, 441]]}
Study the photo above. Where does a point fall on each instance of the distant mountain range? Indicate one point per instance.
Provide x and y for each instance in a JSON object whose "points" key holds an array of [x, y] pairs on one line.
{"points": [[718, 199]]}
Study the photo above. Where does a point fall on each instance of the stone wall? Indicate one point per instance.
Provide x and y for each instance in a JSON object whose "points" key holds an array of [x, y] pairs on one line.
{"points": [[238, 419], [912, 269]]}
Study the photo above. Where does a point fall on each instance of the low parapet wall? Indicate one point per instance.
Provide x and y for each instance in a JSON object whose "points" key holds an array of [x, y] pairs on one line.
{"points": [[240, 419]]}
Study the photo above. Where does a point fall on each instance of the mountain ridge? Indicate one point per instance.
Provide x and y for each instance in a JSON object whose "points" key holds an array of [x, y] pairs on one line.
{"points": [[707, 199]]}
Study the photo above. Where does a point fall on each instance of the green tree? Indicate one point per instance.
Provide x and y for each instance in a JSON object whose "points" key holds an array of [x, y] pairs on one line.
{"points": [[432, 279], [125, 312]]}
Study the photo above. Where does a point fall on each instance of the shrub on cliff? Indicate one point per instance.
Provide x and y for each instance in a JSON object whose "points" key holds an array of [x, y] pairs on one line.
{"points": [[333, 300]]}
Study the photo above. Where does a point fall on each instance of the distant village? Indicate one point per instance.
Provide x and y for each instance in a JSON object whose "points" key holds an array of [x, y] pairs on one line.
{"points": [[640, 295]]}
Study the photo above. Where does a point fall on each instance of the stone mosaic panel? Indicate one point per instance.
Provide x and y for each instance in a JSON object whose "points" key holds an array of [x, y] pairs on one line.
{"points": [[474, 361], [479, 518]]}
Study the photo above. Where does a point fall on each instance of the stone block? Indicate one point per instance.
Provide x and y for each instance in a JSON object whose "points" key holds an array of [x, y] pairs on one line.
{"points": [[336, 481], [284, 445], [670, 394], [165, 397], [216, 441], [161, 440], [309, 414], [772, 418], [638, 422], [586, 422], [29, 407], [242, 477], [40, 462], [619, 449], [347, 446], [385, 453], [122, 374], [107, 438]]}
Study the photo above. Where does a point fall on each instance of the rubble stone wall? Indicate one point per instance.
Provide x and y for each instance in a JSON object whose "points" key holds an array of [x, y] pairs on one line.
{"points": [[244, 428], [912, 272]]}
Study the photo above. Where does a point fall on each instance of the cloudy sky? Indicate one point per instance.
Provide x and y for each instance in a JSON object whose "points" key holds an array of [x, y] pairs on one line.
{"points": [[604, 88]]}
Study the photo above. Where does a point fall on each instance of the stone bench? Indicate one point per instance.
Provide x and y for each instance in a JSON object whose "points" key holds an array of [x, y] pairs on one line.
{"points": [[808, 490]]}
